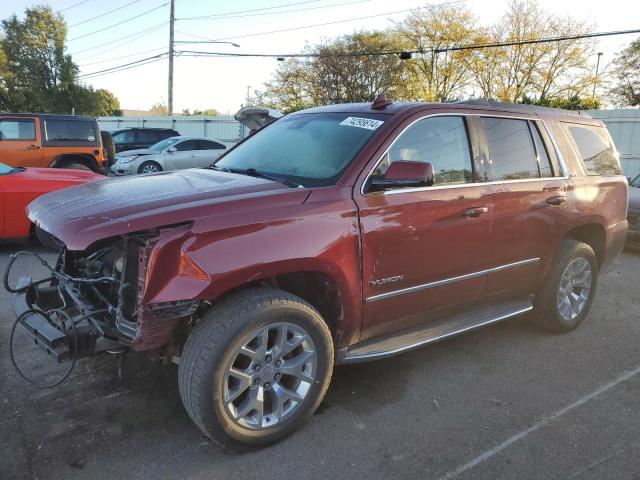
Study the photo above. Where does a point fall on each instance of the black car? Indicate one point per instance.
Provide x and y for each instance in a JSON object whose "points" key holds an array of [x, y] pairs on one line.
{"points": [[134, 138], [633, 215]]}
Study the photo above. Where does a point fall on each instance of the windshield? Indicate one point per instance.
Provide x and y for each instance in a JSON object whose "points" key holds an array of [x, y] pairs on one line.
{"points": [[635, 182], [161, 145], [311, 149], [6, 169]]}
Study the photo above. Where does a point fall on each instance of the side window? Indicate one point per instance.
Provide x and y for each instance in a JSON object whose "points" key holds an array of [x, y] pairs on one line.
{"points": [[595, 148], [544, 163], [209, 145], [147, 136], [124, 137], [17, 130], [187, 145], [442, 141], [512, 153], [70, 130]]}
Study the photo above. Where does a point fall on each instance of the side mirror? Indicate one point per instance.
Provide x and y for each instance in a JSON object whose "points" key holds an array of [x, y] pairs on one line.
{"points": [[404, 174], [172, 149]]}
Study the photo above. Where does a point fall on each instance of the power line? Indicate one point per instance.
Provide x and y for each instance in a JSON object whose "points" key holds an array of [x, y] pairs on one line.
{"points": [[276, 13], [120, 42], [476, 46], [126, 66], [200, 17], [119, 23], [121, 57], [327, 23], [103, 14], [75, 5]]}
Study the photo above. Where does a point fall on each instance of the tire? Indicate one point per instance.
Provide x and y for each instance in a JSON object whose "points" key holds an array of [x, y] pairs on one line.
{"points": [[47, 240], [150, 167], [76, 166], [551, 311], [213, 348]]}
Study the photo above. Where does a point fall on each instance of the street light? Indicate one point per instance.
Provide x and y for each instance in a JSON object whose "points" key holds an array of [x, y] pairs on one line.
{"points": [[595, 80]]}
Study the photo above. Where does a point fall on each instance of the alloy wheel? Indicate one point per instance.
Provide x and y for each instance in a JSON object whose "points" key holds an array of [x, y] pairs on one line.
{"points": [[575, 288], [269, 375]]}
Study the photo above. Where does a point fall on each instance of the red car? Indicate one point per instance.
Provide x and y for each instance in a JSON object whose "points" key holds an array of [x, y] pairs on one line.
{"points": [[19, 186], [334, 235]]}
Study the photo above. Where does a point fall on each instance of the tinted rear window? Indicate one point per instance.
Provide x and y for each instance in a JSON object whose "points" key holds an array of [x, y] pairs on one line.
{"points": [[70, 130], [595, 148]]}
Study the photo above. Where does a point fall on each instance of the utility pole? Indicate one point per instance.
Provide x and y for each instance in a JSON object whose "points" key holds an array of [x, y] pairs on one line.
{"points": [[595, 80], [172, 21]]}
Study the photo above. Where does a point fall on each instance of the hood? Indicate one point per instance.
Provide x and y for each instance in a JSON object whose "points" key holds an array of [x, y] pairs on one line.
{"points": [[139, 151], [634, 199], [256, 117], [83, 214], [68, 175]]}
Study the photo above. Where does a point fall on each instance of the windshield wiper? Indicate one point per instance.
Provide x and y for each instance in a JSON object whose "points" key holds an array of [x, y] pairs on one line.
{"points": [[252, 172]]}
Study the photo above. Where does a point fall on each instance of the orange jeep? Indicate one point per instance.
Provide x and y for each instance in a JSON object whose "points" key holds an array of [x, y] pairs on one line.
{"points": [[44, 140]]}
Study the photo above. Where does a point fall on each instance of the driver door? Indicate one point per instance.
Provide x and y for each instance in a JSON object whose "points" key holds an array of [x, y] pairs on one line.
{"points": [[422, 250], [184, 156]]}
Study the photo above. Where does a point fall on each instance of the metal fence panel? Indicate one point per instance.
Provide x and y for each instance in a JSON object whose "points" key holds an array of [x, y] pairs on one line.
{"points": [[222, 127]]}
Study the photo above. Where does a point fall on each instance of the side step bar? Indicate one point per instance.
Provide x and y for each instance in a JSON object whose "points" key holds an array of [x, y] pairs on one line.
{"points": [[434, 331]]}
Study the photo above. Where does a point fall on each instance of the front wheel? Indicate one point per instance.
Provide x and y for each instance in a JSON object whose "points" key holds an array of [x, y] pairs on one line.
{"points": [[565, 299], [256, 367], [149, 167]]}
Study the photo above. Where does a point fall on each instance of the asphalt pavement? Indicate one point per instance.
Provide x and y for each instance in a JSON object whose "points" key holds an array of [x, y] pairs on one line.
{"points": [[505, 402]]}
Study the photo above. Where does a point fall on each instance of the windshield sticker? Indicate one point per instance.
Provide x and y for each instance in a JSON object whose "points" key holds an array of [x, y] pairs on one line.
{"points": [[367, 123]]}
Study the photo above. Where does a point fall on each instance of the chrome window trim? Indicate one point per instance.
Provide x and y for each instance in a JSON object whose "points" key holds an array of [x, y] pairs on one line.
{"points": [[471, 184], [447, 281]]}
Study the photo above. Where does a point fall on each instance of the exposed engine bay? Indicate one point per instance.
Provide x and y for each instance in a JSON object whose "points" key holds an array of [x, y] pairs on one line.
{"points": [[91, 301]]}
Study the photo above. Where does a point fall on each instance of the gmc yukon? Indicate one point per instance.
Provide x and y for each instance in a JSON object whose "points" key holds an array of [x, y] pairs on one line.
{"points": [[334, 235]]}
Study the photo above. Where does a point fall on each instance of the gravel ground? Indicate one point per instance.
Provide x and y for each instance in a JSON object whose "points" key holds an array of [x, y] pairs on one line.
{"points": [[504, 402]]}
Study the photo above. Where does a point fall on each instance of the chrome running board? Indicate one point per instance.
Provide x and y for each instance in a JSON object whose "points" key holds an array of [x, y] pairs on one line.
{"points": [[436, 330]]}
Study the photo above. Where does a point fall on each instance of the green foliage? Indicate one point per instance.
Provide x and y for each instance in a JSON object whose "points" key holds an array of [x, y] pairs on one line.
{"points": [[626, 73], [37, 75], [159, 109], [573, 102], [207, 112]]}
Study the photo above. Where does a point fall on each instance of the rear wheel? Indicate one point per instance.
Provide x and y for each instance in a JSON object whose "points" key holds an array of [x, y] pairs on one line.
{"points": [[565, 299], [256, 367], [149, 167]]}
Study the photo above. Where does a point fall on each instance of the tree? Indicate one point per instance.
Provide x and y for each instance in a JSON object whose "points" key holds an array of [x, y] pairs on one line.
{"points": [[159, 109], [207, 112], [438, 76], [626, 76], [539, 71], [35, 72], [338, 71]]}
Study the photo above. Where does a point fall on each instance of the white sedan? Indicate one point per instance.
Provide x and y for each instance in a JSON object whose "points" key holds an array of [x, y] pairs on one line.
{"points": [[173, 153]]}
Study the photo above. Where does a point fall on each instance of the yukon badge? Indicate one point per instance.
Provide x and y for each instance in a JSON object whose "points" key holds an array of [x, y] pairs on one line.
{"points": [[385, 281]]}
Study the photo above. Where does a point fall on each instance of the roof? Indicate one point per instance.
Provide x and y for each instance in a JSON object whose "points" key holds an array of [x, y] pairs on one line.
{"points": [[409, 107], [53, 116], [145, 128]]}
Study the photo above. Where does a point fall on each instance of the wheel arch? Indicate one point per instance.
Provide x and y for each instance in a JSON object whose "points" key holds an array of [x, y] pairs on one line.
{"points": [[593, 234], [83, 158]]}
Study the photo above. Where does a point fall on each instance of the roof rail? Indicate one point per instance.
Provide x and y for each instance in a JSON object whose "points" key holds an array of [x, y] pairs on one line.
{"points": [[519, 106]]}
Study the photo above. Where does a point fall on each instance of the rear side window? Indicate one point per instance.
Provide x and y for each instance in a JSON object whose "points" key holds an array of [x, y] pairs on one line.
{"points": [[441, 141], [17, 130], [595, 148], [69, 130], [513, 155]]}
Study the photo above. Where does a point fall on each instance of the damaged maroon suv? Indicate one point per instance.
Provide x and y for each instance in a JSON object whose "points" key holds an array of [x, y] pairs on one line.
{"points": [[334, 235]]}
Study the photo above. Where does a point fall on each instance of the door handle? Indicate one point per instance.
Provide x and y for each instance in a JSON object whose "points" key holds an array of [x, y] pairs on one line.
{"points": [[474, 212], [33, 147], [557, 200]]}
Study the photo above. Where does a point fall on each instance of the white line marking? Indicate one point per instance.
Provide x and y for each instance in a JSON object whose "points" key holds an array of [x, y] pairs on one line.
{"points": [[536, 426]]}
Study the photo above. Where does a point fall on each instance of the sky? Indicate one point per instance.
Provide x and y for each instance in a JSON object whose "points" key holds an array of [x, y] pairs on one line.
{"points": [[222, 83]]}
